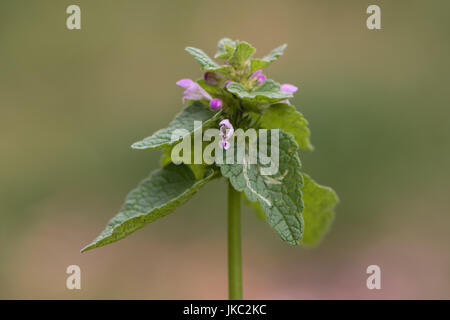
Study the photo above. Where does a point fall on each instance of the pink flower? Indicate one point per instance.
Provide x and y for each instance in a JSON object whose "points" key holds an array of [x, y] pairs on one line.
{"points": [[193, 90], [258, 76], [288, 88], [215, 104], [226, 132], [227, 83]]}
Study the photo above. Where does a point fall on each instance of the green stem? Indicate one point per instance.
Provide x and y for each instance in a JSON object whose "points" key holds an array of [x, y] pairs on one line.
{"points": [[234, 244]]}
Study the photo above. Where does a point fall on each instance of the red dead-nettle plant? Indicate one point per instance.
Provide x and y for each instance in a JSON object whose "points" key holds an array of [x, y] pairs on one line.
{"points": [[231, 98]]}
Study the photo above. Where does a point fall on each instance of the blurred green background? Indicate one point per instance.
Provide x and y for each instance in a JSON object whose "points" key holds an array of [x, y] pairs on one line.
{"points": [[72, 102]]}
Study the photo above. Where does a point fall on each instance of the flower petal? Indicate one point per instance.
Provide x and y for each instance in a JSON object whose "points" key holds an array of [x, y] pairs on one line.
{"points": [[288, 88], [185, 83]]}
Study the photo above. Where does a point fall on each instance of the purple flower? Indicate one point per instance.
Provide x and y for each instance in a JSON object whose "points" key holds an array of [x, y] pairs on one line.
{"points": [[227, 82], [288, 88], [258, 76], [193, 90], [210, 78], [226, 132], [215, 104]]}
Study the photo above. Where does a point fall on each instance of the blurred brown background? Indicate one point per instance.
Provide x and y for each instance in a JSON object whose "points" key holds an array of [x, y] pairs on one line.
{"points": [[72, 102]]}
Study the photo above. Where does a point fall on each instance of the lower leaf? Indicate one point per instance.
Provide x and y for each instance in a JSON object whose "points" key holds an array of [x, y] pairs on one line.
{"points": [[158, 195], [279, 195], [318, 214]]}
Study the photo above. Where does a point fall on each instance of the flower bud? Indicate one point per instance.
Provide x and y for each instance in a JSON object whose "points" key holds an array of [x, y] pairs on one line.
{"points": [[215, 104]]}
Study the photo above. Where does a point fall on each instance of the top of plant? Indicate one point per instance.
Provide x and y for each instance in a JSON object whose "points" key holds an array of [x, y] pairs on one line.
{"points": [[232, 97]]}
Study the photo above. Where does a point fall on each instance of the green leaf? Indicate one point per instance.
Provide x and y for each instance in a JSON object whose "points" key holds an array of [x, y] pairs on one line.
{"points": [[158, 195], [258, 64], [255, 206], [241, 54], [318, 214], [184, 120], [213, 90], [226, 47], [205, 61], [286, 117], [279, 195], [198, 169], [266, 93]]}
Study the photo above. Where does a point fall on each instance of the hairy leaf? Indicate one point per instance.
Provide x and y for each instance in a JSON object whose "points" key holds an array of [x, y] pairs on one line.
{"points": [[267, 92], [184, 120], [258, 64], [225, 48], [286, 117], [279, 195], [158, 195], [205, 61], [255, 206], [318, 214], [241, 54]]}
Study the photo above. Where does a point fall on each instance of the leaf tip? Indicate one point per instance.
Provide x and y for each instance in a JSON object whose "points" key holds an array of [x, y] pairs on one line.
{"points": [[87, 248], [190, 49], [135, 146]]}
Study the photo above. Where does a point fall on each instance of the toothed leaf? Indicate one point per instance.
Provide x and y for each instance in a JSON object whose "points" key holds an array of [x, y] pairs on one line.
{"points": [[185, 121], [158, 195]]}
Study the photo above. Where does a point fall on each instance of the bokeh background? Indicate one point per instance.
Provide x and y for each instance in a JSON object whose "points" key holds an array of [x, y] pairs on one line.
{"points": [[72, 102]]}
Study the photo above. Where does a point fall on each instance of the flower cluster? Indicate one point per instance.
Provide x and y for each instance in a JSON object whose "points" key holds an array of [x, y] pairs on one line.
{"points": [[195, 92], [238, 97]]}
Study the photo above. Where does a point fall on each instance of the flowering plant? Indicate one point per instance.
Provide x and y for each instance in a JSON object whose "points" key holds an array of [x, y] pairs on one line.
{"points": [[229, 99]]}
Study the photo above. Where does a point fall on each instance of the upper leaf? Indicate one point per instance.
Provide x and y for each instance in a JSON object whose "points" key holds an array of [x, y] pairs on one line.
{"points": [[205, 61], [241, 54], [258, 64], [318, 214], [286, 117], [266, 93], [184, 120], [163, 191], [279, 195], [225, 48]]}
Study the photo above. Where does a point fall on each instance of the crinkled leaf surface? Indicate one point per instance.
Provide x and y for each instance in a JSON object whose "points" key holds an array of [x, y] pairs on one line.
{"points": [[241, 53], [255, 206], [286, 117], [258, 64], [158, 195], [267, 92], [279, 195], [184, 120], [205, 61], [318, 213], [225, 47]]}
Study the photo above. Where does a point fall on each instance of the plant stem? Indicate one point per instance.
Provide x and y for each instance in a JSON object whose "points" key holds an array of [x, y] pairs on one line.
{"points": [[234, 244]]}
